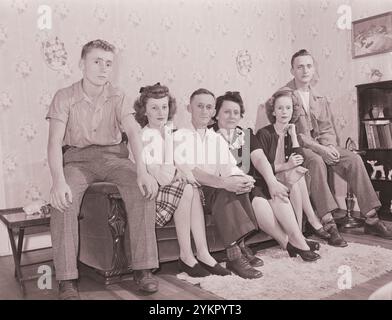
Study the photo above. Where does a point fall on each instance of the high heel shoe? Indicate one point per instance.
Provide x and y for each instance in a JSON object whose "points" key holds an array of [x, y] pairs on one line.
{"points": [[306, 255], [197, 271], [216, 269], [313, 245]]}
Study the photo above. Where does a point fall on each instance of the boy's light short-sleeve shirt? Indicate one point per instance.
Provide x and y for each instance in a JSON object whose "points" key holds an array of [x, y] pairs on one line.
{"points": [[89, 123]]}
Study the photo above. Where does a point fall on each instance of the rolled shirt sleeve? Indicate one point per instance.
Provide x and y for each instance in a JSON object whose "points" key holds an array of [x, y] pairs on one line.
{"points": [[124, 108], [59, 107]]}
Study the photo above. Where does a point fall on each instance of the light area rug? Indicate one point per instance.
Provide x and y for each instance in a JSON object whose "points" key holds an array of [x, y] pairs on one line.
{"points": [[292, 278]]}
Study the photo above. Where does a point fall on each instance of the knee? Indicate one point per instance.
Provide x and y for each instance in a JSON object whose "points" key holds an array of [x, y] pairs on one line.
{"points": [[316, 162], [356, 160], [224, 194]]}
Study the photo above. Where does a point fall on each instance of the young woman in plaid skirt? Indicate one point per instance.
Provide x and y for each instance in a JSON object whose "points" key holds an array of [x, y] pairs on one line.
{"points": [[179, 194]]}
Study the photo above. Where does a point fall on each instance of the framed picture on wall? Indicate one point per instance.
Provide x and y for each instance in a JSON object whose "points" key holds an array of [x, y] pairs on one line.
{"points": [[372, 35]]}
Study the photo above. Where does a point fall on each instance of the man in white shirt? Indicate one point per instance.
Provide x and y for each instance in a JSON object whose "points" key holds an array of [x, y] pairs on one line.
{"points": [[224, 185]]}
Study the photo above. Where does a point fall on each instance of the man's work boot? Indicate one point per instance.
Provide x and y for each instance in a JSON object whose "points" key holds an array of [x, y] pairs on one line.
{"points": [[145, 281], [68, 290]]}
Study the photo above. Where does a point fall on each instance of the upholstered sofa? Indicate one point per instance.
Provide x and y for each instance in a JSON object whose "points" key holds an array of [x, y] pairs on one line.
{"points": [[104, 248]]}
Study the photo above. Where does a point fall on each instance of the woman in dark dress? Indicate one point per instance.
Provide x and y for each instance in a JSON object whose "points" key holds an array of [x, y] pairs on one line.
{"points": [[286, 156]]}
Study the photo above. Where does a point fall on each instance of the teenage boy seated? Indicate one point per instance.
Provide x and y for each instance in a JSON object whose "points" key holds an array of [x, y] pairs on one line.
{"points": [[87, 117], [318, 138]]}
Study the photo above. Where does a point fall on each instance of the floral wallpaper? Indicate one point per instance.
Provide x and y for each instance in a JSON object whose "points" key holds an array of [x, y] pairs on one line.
{"points": [[315, 24], [186, 44]]}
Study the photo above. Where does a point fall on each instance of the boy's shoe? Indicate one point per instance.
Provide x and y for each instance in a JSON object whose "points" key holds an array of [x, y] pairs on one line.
{"points": [[68, 290], [145, 281]]}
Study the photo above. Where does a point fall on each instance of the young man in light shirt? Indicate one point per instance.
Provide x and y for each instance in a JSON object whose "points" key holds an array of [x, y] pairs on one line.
{"points": [[224, 185], [88, 117], [318, 138]]}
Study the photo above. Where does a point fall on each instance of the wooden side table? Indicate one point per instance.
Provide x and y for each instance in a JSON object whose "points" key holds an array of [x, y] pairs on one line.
{"points": [[16, 222]]}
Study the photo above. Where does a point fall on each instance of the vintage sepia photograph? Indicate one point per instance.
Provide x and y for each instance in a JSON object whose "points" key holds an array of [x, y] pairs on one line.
{"points": [[196, 157]]}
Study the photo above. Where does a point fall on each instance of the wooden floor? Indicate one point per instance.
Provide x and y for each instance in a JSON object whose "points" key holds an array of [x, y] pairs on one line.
{"points": [[170, 287]]}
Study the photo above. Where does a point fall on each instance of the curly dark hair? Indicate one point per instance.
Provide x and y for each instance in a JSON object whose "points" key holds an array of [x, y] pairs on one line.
{"points": [[270, 105], [155, 91], [233, 96], [101, 44]]}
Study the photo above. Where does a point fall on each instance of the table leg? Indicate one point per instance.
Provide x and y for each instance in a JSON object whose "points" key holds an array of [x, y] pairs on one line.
{"points": [[20, 246], [15, 255]]}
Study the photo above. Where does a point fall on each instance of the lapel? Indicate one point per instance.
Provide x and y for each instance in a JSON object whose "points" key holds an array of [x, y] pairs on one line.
{"points": [[314, 102]]}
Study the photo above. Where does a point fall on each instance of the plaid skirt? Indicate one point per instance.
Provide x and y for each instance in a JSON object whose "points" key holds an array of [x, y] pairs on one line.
{"points": [[167, 201]]}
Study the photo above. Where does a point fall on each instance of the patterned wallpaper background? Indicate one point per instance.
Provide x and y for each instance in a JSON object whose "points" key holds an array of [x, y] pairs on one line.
{"points": [[241, 45], [315, 27], [184, 44]]}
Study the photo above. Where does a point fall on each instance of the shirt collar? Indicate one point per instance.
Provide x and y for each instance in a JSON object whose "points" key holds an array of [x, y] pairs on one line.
{"points": [[108, 92], [208, 132], [312, 90]]}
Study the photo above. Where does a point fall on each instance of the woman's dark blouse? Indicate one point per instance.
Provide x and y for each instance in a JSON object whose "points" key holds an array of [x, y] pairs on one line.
{"points": [[267, 139]]}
